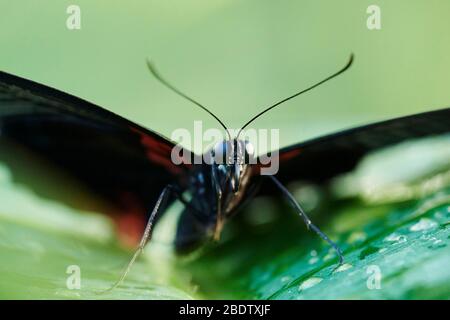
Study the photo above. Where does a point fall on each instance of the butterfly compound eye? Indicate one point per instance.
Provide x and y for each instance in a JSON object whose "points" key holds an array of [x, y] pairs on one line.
{"points": [[247, 151], [221, 152]]}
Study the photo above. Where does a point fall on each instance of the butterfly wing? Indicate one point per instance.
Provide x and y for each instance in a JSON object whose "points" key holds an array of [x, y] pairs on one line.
{"points": [[114, 158], [320, 159]]}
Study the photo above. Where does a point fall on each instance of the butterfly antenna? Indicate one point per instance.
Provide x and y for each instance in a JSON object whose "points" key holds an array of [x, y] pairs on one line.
{"points": [[156, 74], [349, 63]]}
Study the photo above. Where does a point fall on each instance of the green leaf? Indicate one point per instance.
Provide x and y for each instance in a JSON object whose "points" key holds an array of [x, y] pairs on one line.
{"points": [[394, 232]]}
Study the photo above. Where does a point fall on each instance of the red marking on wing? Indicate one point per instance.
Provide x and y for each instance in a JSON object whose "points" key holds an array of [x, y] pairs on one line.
{"points": [[130, 220], [288, 155], [130, 227], [159, 152], [283, 157]]}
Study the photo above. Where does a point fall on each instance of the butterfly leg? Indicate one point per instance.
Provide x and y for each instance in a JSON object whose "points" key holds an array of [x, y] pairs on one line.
{"points": [[160, 205], [305, 218]]}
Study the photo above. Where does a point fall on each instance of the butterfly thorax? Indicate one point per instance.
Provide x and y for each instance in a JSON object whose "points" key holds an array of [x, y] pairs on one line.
{"points": [[219, 187]]}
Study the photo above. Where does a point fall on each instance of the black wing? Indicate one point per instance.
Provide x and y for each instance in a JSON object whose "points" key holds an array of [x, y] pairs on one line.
{"points": [[115, 158], [320, 159]]}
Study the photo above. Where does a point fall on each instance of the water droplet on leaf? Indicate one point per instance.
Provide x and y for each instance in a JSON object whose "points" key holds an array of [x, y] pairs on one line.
{"points": [[343, 267], [311, 282], [394, 237], [423, 224]]}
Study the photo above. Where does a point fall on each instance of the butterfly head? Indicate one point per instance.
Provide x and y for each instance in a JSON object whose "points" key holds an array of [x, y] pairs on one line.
{"points": [[230, 161]]}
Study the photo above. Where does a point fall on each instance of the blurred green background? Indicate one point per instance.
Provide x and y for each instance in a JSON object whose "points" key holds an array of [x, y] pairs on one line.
{"points": [[238, 57]]}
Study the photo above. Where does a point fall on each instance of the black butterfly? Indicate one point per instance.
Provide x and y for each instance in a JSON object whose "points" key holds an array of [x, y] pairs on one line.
{"points": [[131, 166]]}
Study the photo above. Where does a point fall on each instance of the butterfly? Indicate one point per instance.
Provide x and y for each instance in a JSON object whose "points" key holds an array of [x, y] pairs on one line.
{"points": [[132, 168]]}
